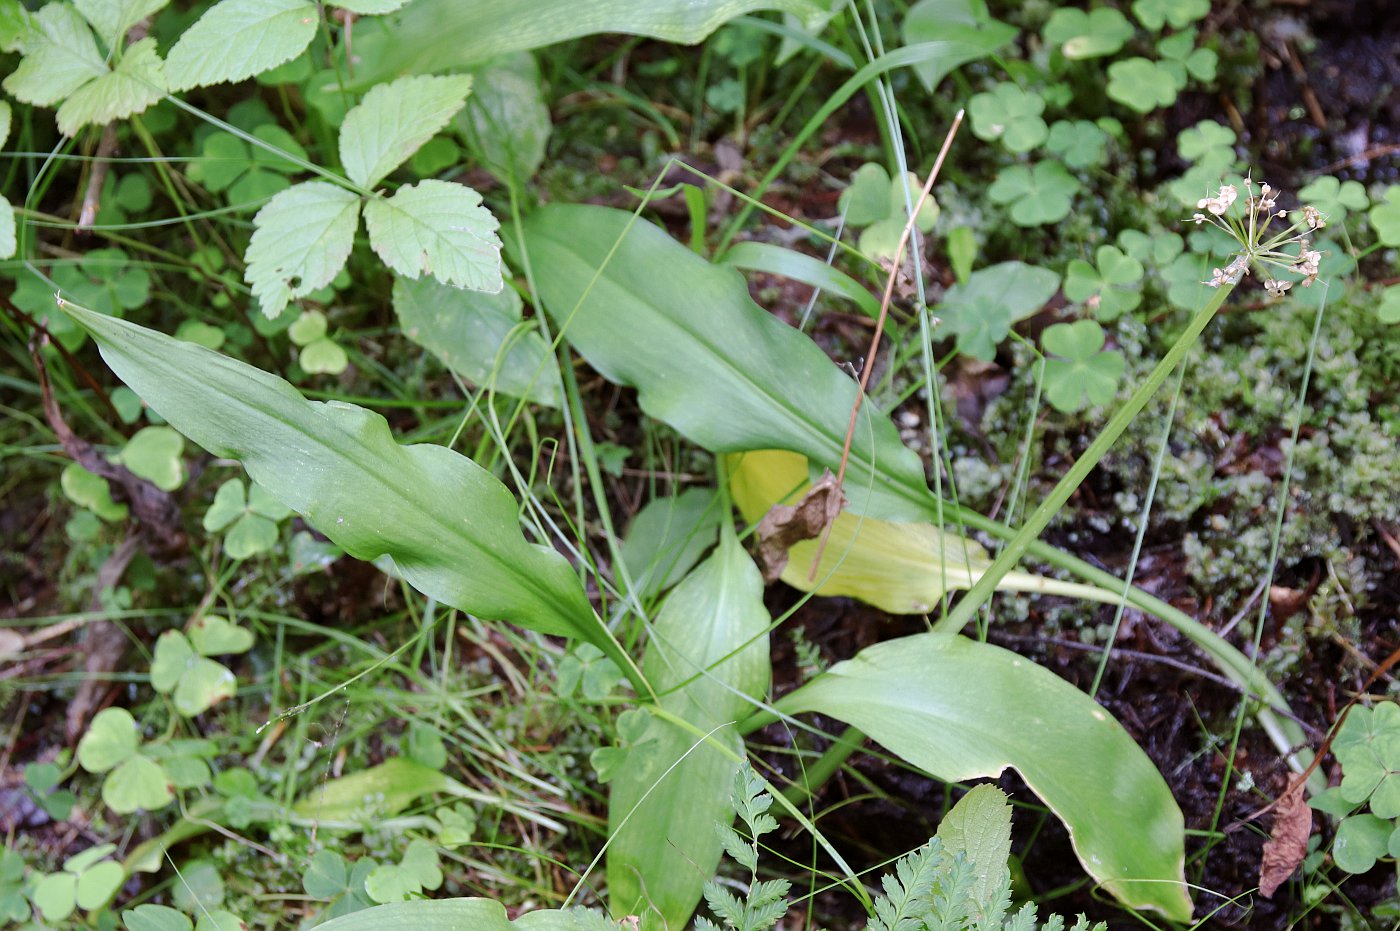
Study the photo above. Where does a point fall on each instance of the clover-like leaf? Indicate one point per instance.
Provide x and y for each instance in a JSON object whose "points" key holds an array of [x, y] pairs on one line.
{"points": [[1389, 308], [1335, 198], [91, 491], [1037, 195], [111, 739], [418, 870], [323, 357], [1159, 249], [1142, 85], [214, 635], [394, 120], [1179, 51], [136, 83], [326, 877], [1109, 286], [1385, 217], [153, 453], [1078, 143], [60, 56], [247, 174], [1010, 114], [56, 896], [1361, 840], [1207, 143], [301, 239], [137, 784], [194, 682], [236, 39], [230, 503], [439, 228], [866, 199], [981, 312], [1154, 14], [1093, 34], [1084, 370], [99, 883]]}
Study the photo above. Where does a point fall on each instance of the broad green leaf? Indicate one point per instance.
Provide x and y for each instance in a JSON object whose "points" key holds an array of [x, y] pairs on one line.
{"points": [[59, 57], [136, 83], [966, 710], [112, 18], [981, 312], [369, 7], [1388, 311], [377, 792], [657, 316], [866, 198], [1038, 194], [1083, 370], [1361, 840], [97, 885], [708, 660], [301, 239], [439, 228], [1010, 114], [111, 739], [902, 568], [506, 119], [482, 337], [1091, 34], [444, 35], [450, 527], [668, 537], [776, 260], [966, 27], [979, 826], [155, 918], [237, 39], [137, 784], [9, 241], [55, 896], [6, 116], [394, 120], [153, 453], [463, 915]]}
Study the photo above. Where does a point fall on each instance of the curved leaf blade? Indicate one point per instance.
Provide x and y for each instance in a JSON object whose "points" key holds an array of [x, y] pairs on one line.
{"points": [[458, 914], [450, 526], [965, 710], [708, 658], [652, 314], [237, 39]]}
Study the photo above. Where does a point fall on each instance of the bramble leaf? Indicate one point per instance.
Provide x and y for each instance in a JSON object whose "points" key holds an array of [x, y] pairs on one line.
{"points": [[394, 120], [136, 83], [236, 39], [60, 56], [301, 239], [440, 228], [112, 18]]}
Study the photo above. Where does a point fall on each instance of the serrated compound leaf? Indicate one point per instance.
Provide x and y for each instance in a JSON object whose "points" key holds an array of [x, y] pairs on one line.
{"points": [[136, 83], [111, 739], [97, 885], [301, 239], [979, 827], [203, 684], [479, 336], [213, 635], [394, 120], [962, 710], [237, 39], [155, 918], [60, 57], [112, 18], [451, 528], [137, 784], [438, 228]]}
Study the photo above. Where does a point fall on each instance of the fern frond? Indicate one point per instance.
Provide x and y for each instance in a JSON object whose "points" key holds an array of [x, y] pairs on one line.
{"points": [[907, 892]]}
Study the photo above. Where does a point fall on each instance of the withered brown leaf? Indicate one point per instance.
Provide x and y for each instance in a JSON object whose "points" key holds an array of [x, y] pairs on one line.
{"points": [[785, 525], [1287, 843]]}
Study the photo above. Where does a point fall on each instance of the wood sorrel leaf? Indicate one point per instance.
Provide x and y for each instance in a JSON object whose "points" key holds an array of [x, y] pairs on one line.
{"points": [[451, 527], [961, 710]]}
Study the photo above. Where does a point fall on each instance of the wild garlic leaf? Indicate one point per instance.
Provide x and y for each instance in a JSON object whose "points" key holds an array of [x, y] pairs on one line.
{"points": [[112, 18], [60, 57], [394, 120], [237, 39], [301, 239], [136, 83], [440, 228]]}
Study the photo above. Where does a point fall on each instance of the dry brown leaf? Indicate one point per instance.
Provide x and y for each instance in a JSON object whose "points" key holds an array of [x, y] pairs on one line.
{"points": [[808, 519], [1287, 843]]}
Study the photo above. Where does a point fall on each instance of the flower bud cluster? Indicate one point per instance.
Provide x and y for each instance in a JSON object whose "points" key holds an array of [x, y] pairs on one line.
{"points": [[1261, 250]]}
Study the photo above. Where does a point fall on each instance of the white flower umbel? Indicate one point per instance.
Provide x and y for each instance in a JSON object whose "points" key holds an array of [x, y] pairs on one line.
{"points": [[1258, 248]]}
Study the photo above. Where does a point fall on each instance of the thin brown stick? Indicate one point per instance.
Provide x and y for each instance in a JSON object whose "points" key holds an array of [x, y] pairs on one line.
{"points": [[869, 366]]}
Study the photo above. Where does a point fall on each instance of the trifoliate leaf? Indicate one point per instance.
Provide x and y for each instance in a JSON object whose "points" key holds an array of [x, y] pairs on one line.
{"points": [[1334, 198], [1079, 143], [1385, 217], [440, 228], [1154, 14], [112, 18], [1010, 114], [1083, 369], [229, 504], [138, 783], [1037, 195], [982, 311], [137, 82], [237, 39], [394, 120], [111, 739], [1142, 85], [1389, 309], [97, 885], [56, 895], [326, 877], [302, 237], [1110, 289], [307, 328], [1091, 34], [60, 57], [172, 657], [1361, 840], [213, 635], [418, 870]]}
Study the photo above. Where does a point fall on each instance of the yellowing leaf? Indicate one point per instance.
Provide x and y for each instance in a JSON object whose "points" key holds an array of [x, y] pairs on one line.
{"points": [[902, 568]]}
